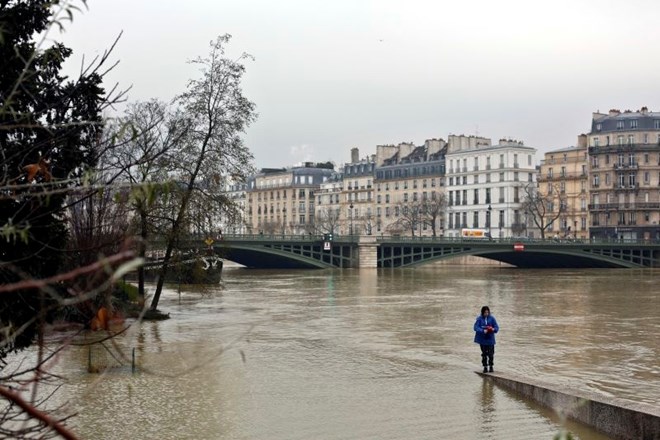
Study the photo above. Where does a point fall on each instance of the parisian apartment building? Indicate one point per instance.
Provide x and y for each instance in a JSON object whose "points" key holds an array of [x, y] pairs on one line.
{"points": [[485, 186], [282, 200], [434, 189], [563, 181], [345, 201], [408, 178], [624, 180], [605, 187]]}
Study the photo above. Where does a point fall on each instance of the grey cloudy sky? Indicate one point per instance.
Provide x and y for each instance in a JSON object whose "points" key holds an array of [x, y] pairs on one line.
{"points": [[332, 75]]}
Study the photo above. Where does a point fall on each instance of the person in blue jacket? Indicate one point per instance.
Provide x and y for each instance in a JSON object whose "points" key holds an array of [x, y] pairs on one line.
{"points": [[484, 334]]}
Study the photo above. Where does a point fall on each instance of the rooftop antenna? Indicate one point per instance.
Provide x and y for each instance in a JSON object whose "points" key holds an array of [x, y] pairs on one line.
{"points": [[477, 130]]}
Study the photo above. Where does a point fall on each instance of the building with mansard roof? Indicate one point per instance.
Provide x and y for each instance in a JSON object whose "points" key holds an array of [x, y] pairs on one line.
{"points": [[281, 200], [563, 179], [624, 182], [407, 177]]}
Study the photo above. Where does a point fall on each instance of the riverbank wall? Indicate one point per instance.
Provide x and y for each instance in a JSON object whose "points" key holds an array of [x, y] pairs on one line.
{"points": [[618, 418]]}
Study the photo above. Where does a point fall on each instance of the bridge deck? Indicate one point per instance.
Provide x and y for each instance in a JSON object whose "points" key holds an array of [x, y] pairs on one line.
{"points": [[308, 251]]}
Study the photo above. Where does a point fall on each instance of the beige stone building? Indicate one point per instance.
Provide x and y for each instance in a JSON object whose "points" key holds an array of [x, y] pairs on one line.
{"points": [[281, 200], [345, 202], [563, 178], [407, 175], [357, 215], [624, 181]]}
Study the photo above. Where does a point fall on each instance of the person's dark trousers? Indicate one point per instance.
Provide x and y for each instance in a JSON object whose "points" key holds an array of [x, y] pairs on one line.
{"points": [[487, 355]]}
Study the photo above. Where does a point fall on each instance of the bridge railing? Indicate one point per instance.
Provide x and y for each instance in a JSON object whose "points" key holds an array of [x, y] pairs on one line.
{"points": [[420, 239], [511, 240], [281, 237]]}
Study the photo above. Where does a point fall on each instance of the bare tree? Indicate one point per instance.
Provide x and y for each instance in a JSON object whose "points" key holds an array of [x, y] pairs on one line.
{"points": [[432, 209], [368, 222], [328, 220], [544, 209], [410, 218], [270, 227]]}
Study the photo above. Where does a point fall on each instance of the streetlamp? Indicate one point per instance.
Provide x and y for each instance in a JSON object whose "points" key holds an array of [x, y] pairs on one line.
{"points": [[351, 215], [490, 218]]}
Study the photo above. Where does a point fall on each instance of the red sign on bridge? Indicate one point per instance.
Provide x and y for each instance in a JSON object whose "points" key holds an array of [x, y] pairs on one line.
{"points": [[518, 247]]}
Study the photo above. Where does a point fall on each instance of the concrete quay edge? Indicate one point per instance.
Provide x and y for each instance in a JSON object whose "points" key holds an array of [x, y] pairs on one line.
{"points": [[618, 418]]}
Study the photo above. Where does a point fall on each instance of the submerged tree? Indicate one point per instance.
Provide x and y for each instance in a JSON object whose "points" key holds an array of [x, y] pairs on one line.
{"points": [[217, 114], [140, 157]]}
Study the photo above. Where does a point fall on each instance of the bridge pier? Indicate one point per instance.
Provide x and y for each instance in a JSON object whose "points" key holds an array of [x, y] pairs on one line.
{"points": [[367, 252]]}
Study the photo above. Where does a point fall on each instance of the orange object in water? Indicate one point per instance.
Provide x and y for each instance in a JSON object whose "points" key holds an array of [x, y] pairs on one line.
{"points": [[100, 321], [104, 319]]}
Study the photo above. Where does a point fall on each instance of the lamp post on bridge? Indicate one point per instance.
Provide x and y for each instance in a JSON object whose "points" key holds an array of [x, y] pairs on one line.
{"points": [[490, 219], [350, 213]]}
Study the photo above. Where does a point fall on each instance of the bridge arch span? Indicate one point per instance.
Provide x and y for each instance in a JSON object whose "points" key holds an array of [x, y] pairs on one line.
{"points": [[534, 256]]}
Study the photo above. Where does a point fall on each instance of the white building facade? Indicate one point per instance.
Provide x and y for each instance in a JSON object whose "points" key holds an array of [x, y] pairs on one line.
{"points": [[484, 185]]}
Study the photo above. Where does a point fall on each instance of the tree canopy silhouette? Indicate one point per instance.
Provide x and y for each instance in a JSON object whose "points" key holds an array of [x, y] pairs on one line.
{"points": [[48, 127]]}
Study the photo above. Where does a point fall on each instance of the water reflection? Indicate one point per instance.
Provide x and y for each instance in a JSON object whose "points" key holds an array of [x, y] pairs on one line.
{"points": [[487, 407]]}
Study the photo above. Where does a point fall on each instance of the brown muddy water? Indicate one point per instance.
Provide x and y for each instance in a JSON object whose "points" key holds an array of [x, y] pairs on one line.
{"points": [[369, 355]]}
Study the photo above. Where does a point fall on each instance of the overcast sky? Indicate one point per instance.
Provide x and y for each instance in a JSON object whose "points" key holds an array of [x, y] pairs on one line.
{"points": [[332, 75]]}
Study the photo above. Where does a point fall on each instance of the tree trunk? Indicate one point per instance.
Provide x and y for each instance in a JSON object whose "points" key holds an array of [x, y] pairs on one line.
{"points": [[142, 253], [178, 222]]}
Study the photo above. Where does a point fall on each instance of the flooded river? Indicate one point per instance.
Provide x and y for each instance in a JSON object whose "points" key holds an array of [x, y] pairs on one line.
{"points": [[370, 355]]}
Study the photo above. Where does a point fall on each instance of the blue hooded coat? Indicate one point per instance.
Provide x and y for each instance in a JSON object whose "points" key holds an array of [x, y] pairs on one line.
{"points": [[485, 338]]}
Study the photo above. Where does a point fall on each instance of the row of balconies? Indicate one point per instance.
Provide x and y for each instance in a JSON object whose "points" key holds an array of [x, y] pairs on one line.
{"points": [[396, 188], [310, 195], [476, 168], [625, 166], [618, 187], [623, 148], [573, 175], [311, 209], [641, 206], [476, 202]]}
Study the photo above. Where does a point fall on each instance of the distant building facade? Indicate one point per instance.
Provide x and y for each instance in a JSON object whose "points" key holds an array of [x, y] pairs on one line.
{"points": [[564, 173], [624, 182], [236, 221], [281, 200], [329, 204], [356, 203], [406, 176], [484, 184]]}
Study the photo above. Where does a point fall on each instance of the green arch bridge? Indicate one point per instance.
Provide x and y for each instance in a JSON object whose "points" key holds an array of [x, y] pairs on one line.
{"points": [[310, 251]]}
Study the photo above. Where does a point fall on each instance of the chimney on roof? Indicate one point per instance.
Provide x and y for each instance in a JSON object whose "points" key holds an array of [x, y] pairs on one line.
{"points": [[355, 155], [644, 110], [615, 112]]}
